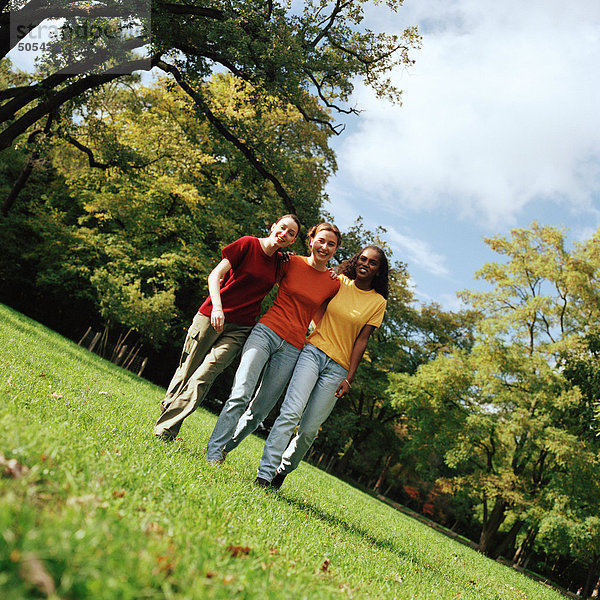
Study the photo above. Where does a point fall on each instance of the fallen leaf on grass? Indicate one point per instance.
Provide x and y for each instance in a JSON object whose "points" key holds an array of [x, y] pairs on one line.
{"points": [[12, 467], [274, 550], [472, 581], [228, 579], [210, 574], [236, 551], [153, 528], [325, 565], [118, 493], [164, 565], [33, 572]]}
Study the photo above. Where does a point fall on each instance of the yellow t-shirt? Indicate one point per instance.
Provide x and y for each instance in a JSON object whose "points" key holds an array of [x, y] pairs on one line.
{"points": [[347, 313]]}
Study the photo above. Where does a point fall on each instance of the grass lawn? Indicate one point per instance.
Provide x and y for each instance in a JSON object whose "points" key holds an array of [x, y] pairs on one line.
{"points": [[93, 506]]}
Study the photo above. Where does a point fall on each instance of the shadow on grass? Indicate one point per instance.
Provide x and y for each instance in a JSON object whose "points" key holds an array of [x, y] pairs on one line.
{"points": [[332, 520]]}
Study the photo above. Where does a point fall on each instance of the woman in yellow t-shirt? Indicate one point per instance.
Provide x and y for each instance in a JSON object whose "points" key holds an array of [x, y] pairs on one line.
{"points": [[327, 364]]}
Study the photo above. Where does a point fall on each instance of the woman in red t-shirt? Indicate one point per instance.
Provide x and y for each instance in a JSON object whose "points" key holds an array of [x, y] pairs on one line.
{"points": [[237, 285], [275, 342]]}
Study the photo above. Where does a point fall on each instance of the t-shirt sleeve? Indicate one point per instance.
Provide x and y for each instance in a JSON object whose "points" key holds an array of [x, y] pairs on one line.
{"points": [[335, 288], [283, 266], [377, 317], [236, 251]]}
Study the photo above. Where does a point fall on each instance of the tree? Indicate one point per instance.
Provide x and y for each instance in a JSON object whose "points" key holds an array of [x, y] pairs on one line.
{"points": [[309, 59], [501, 416], [149, 196]]}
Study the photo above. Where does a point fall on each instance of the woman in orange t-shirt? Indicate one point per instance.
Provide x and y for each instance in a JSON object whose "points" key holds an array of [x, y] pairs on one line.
{"points": [[275, 342]]}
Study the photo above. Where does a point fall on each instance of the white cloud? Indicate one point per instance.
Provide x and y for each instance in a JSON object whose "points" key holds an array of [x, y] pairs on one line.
{"points": [[500, 111], [417, 252]]}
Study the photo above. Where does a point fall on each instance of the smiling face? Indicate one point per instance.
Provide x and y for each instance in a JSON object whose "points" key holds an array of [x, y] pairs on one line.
{"points": [[367, 266], [323, 246], [284, 232]]}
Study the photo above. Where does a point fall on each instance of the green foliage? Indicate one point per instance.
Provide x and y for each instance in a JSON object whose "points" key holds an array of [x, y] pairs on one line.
{"points": [[138, 234], [510, 425]]}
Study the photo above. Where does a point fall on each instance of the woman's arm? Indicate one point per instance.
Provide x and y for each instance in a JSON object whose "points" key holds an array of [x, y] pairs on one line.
{"points": [[318, 314], [217, 317], [360, 345]]}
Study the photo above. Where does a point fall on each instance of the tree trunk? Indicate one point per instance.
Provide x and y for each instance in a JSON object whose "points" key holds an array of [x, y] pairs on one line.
{"points": [[357, 439], [592, 576], [524, 551], [382, 474], [510, 538], [488, 540]]}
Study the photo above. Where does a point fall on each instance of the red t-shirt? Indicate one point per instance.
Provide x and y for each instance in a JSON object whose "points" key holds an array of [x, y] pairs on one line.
{"points": [[253, 273], [301, 291]]}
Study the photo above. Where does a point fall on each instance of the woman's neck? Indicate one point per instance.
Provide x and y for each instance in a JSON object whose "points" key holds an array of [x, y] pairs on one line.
{"points": [[364, 285], [268, 246], [315, 264]]}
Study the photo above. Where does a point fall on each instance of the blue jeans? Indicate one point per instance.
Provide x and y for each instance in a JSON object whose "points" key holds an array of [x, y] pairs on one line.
{"points": [[263, 349], [309, 401]]}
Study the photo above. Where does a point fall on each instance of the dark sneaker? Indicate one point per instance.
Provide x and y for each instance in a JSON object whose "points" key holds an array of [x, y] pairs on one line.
{"points": [[260, 482], [278, 480]]}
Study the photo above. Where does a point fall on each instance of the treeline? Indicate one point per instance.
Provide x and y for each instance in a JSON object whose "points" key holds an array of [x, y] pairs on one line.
{"points": [[486, 420]]}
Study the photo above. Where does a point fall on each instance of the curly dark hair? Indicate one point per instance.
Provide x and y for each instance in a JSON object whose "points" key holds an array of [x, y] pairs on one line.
{"points": [[380, 281]]}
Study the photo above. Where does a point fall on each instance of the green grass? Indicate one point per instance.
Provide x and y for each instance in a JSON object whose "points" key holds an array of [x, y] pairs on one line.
{"points": [[108, 512]]}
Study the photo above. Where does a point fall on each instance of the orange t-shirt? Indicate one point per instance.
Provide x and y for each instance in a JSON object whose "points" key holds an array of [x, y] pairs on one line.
{"points": [[301, 291]]}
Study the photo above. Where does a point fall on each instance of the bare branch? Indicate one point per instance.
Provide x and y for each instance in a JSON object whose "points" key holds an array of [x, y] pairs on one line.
{"points": [[29, 93], [337, 129], [211, 55], [347, 111], [337, 9], [365, 60], [87, 151]]}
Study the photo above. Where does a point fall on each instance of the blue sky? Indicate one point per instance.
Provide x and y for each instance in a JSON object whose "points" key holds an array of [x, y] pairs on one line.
{"points": [[500, 126]]}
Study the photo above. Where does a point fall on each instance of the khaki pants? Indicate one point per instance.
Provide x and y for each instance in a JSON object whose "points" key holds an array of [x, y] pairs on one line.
{"points": [[205, 355]]}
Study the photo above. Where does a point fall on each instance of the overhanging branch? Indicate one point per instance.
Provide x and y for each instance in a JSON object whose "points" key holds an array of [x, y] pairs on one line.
{"points": [[71, 91], [228, 135]]}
